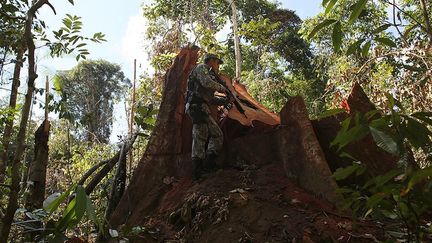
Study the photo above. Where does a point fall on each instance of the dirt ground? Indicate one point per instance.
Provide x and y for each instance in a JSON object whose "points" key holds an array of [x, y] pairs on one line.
{"points": [[249, 205]]}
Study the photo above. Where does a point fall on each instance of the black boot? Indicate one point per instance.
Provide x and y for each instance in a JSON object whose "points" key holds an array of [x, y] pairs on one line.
{"points": [[197, 168], [210, 164]]}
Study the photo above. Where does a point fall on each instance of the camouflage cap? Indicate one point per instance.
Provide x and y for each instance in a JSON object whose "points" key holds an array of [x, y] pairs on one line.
{"points": [[209, 56]]}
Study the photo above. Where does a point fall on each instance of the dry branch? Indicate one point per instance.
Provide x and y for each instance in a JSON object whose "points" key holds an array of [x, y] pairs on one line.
{"points": [[108, 166]]}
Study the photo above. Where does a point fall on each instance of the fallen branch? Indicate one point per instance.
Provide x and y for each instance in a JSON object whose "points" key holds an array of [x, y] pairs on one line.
{"points": [[109, 165], [93, 169]]}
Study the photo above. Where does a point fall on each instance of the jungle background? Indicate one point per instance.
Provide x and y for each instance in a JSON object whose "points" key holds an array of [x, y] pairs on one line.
{"points": [[384, 45]]}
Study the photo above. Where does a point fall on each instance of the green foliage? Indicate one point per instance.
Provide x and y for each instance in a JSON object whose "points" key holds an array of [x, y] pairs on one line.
{"points": [[88, 93], [7, 114], [337, 36], [162, 62], [274, 56], [69, 39], [259, 31], [48, 222], [145, 117], [343, 173], [12, 23], [373, 38], [343, 15], [86, 155], [320, 26], [357, 9], [403, 193]]}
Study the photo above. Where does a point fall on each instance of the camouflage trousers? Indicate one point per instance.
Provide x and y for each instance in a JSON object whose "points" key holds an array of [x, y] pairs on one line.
{"points": [[205, 129]]}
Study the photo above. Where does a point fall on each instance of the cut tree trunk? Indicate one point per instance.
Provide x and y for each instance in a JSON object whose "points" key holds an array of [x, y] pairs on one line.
{"points": [[38, 167], [36, 179], [257, 140], [168, 148]]}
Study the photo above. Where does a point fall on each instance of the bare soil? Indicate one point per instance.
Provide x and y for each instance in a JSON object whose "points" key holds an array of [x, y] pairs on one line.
{"points": [[249, 205]]}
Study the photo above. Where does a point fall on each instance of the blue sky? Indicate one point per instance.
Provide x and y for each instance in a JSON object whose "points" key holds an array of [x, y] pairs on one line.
{"points": [[124, 26]]}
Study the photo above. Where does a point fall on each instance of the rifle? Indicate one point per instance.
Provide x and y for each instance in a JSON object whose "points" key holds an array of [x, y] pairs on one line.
{"points": [[235, 100]]}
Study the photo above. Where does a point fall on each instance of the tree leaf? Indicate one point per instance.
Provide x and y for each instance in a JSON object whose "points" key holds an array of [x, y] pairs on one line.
{"points": [[343, 173], [424, 117], [91, 212], [386, 41], [330, 6], [365, 48], [383, 179], [418, 176], [81, 45], [343, 138], [354, 47], [417, 133], [320, 26], [381, 28], [68, 23], [324, 2], [375, 199], [391, 101], [384, 141], [337, 36], [75, 210], [358, 8], [52, 207]]}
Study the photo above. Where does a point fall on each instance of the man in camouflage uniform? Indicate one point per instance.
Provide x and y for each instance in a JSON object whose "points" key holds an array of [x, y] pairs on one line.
{"points": [[200, 95]]}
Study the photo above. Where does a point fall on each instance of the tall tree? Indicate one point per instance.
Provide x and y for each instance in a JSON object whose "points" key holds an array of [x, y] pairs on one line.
{"points": [[268, 31], [238, 58], [88, 94], [67, 39], [362, 41], [15, 187]]}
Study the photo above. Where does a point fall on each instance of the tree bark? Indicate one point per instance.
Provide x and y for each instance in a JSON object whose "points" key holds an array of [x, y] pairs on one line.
{"points": [[36, 179], [92, 170], [7, 133], [37, 170], [16, 162]]}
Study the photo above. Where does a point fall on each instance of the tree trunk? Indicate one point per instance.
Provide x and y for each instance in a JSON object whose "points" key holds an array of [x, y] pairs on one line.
{"points": [[7, 133], [16, 162], [167, 154], [37, 175], [238, 58], [37, 170]]}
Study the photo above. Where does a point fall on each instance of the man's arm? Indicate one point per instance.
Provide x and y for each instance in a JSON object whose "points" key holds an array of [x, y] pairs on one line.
{"points": [[202, 73]]}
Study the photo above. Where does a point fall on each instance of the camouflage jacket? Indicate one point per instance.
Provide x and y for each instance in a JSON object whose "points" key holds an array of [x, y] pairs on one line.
{"points": [[202, 84]]}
